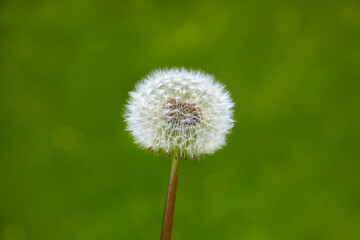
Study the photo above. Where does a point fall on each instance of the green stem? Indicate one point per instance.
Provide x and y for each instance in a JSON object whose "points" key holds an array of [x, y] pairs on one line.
{"points": [[170, 201]]}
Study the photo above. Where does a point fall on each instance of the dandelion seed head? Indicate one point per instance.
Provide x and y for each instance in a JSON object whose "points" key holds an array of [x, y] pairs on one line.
{"points": [[179, 112]]}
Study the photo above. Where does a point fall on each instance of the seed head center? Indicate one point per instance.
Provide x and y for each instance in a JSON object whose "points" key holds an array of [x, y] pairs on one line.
{"points": [[180, 112]]}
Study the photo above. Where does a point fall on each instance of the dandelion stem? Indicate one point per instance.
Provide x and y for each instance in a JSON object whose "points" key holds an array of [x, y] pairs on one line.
{"points": [[170, 201]]}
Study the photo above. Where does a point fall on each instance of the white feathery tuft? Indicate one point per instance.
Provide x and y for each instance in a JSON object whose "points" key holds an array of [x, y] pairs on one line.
{"points": [[180, 112]]}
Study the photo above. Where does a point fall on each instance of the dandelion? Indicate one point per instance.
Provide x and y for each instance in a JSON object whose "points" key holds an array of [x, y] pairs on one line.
{"points": [[185, 114]]}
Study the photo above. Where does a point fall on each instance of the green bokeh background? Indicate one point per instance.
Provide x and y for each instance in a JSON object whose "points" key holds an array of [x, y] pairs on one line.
{"points": [[291, 168]]}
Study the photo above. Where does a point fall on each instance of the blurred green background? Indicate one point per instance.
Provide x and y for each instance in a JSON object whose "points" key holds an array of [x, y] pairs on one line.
{"points": [[291, 169]]}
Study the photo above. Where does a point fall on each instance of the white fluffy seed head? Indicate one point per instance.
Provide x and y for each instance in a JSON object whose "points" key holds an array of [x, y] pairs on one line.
{"points": [[180, 112]]}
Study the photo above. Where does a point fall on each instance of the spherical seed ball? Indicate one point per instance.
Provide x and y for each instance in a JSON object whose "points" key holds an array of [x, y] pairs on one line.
{"points": [[180, 112]]}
